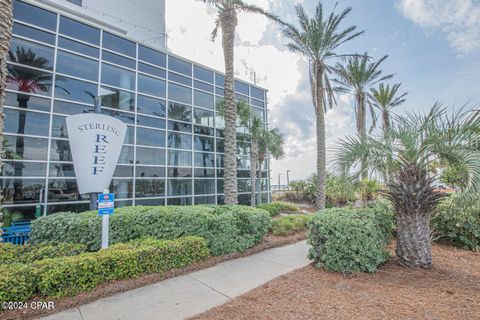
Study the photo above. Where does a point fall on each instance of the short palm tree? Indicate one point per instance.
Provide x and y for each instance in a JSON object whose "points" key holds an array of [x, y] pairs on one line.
{"points": [[416, 142], [227, 20], [385, 98], [318, 40]]}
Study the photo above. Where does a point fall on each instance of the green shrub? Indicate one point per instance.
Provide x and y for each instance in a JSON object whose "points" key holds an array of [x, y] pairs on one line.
{"points": [[16, 283], [10, 253], [226, 228], [349, 240], [290, 224], [458, 224], [275, 208], [9, 217]]}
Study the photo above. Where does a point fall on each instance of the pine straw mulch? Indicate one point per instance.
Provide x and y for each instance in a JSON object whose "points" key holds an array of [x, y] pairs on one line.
{"points": [[115, 287], [450, 290]]}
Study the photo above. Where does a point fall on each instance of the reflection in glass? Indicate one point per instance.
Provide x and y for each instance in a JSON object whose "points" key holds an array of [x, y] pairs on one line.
{"points": [[241, 87], [33, 33], [77, 66], [244, 185], [150, 156], [70, 207], [34, 103], [205, 186], [128, 118], [203, 86], [205, 200], [123, 189], [28, 149], [204, 160], [204, 144], [22, 190], [152, 106], [150, 137], [22, 122], [118, 77], [29, 169], [179, 172], [185, 201], [257, 93], [180, 112], [203, 117], [151, 56], [204, 173], [60, 150], [78, 47], [117, 59], [76, 90], [60, 170], [115, 43], [179, 158], [60, 190], [150, 122], [120, 99], [219, 80], [35, 15], [179, 66], [203, 74], [202, 99], [126, 156], [206, 131], [150, 85], [178, 140], [179, 93], [31, 54], [142, 67], [149, 188], [180, 79], [150, 172], [150, 202], [179, 126], [123, 171], [179, 187], [79, 31], [70, 107]]}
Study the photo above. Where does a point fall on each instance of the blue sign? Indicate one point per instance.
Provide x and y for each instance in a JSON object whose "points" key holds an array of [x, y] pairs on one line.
{"points": [[106, 203]]}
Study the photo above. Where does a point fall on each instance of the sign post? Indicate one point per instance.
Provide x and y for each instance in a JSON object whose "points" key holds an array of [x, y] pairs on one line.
{"points": [[106, 207]]}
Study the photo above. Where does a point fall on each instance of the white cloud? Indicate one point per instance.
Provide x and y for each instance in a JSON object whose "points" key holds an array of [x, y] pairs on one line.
{"points": [[458, 20]]}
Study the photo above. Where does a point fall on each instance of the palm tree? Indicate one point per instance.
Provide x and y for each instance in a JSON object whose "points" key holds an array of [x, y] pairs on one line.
{"points": [[227, 20], [317, 41], [417, 141]]}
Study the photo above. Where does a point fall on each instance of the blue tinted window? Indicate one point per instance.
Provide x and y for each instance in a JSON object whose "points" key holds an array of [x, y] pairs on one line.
{"points": [[204, 160], [79, 31], [32, 33], [178, 140], [151, 56], [118, 77], [179, 126], [150, 137], [152, 70], [180, 79], [179, 158], [151, 122], [117, 44], [149, 188], [179, 93], [203, 74], [33, 103], [153, 86], [203, 99], [180, 112], [203, 117], [257, 103], [148, 105], [117, 59], [78, 47], [32, 148], [179, 66], [19, 75], [219, 80], [179, 187], [241, 87], [150, 156], [70, 108], [75, 90], [150, 172], [77, 66], [119, 99], [34, 15], [204, 144], [204, 186], [219, 91], [257, 93], [23, 122], [30, 53], [203, 86]]}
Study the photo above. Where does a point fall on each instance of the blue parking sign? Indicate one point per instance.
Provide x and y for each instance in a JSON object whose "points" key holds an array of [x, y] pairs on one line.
{"points": [[106, 203]]}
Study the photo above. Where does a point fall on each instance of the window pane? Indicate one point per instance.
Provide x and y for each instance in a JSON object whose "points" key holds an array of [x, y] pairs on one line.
{"points": [[60, 150], [26, 102], [150, 137], [204, 143], [180, 112], [219, 80], [153, 86], [203, 74], [31, 54], [25, 169], [220, 186], [32, 33], [150, 172], [179, 93], [73, 207], [220, 145], [149, 188], [185, 201], [257, 103], [179, 126], [62, 190], [118, 77], [204, 130], [179, 158], [205, 200], [204, 100], [240, 97], [151, 122], [129, 136], [61, 170], [179, 66], [241, 87], [126, 156], [122, 100], [29, 80], [25, 148], [151, 56], [219, 92], [117, 59], [150, 202], [204, 173], [220, 160], [34, 15], [79, 31], [22, 190], [115, 43], [179, 187], [203, 86], [148, 105], [78, 47], [152, 70], [23, 122], [59, 127], [150, 156], [179, 140], [70, 108], [180, 79], [73, 65], [205, 186], [179, 172], [76, 90], [128, 118], [206, 160], [123, 189], [257, 93], [244, 185]]}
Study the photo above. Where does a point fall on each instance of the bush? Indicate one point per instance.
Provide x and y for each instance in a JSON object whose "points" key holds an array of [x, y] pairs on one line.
{"points": [[64, 276], [349, 240], [275, 208], [226, 228], [458, 224], [11, 253], [290, 224], [9, 217]]}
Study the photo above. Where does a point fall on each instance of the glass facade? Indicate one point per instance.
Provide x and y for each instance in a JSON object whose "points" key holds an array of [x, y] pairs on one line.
{"points": [[173, 150]]}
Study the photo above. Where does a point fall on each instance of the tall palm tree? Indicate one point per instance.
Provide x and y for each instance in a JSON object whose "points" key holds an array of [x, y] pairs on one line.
{"points": [[385, 98], [318, 40], [227, 20], [417, 142]]}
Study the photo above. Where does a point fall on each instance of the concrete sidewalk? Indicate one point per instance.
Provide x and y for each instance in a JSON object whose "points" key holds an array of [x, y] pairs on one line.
{"points": [[194, 293]]}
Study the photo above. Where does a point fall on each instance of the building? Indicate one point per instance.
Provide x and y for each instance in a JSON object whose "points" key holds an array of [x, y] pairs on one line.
{"points": [[173, 152]]}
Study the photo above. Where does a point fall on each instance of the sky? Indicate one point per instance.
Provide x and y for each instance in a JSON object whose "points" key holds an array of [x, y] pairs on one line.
{"points": [[433, 48]]}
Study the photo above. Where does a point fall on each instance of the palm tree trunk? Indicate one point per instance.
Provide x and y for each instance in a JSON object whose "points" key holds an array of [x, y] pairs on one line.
{"points": [[6, 22], [253, 170], [386, 128], [321, 139], [362, 128], [228, 23]]}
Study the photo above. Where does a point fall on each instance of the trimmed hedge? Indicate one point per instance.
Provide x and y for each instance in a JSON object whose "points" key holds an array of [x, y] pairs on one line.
{"points": [[66, 276], [226, 228], [459, 225], [290, 224], [10, 253], [275, 208], [350, 240]]}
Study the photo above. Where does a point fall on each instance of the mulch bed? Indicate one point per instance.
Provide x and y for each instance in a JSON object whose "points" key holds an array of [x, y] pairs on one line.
{"points": [[119, 286], [450, 290]]}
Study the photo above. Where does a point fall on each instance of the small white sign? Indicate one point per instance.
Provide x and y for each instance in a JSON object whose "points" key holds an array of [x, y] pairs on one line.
{"points": [[95, 142]]}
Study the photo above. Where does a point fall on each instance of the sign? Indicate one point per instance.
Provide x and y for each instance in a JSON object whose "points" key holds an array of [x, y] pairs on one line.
{"points": [[106, 203], [95, 143]]}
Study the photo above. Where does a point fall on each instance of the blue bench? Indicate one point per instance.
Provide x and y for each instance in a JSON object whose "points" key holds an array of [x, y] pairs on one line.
{"points": [[18, 233]]}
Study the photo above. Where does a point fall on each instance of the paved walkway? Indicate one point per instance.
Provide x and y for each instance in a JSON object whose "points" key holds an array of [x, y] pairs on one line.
{"points": [[196, 292]]}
